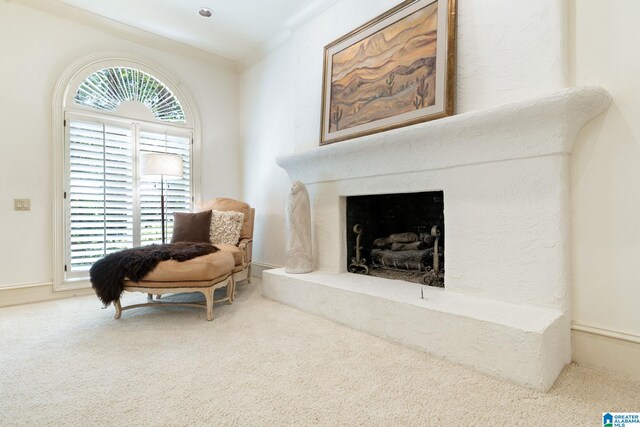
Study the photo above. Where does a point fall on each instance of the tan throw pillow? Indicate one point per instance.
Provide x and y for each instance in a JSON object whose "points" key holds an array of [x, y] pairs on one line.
{"points": [[226, 227], [191, 227]]}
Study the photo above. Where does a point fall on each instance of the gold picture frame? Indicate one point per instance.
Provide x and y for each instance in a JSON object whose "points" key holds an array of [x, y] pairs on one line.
{"points": [[396, 70]]}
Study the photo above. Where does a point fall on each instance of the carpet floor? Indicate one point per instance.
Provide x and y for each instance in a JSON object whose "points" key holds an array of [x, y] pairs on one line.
{"points": [[68, 362]]}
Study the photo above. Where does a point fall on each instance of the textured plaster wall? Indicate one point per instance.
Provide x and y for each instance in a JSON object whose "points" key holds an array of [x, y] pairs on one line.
{"points": [[36, 49], [507, 51], [605, 173], [505, 176], [266, 131], [497, 235]]}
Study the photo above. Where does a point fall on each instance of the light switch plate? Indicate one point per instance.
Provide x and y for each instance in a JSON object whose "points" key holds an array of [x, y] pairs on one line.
{"points": [[22, 204]]}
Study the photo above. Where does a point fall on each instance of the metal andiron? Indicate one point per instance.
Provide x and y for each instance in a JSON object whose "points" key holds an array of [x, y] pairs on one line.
{"points": [[435, 275], [358, 264]]}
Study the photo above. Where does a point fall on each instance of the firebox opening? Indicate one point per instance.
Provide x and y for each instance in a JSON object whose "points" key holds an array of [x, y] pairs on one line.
{"points": [[401, 236]]}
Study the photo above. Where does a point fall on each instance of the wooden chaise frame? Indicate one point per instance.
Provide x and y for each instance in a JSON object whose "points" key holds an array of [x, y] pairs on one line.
{"points": [[207, 291]]}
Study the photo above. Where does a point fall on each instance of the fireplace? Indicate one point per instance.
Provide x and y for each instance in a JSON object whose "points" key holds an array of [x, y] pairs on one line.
{"points": [[504, 171], [397, 236]]}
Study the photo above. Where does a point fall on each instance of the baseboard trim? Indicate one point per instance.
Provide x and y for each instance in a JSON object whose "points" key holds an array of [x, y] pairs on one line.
{"points": [[73, 286], [36, 292], [24, 285], [600, 348], [258, 267], [605, 332]]}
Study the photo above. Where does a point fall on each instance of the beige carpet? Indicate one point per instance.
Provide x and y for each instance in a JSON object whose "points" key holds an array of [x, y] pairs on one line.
{"points": [[258, 363]]}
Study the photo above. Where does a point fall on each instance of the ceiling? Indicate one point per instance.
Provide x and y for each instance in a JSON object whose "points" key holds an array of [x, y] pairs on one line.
{"points": [[237, 26]]}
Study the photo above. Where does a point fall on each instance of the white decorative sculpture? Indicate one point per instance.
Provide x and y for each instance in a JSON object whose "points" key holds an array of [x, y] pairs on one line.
{"points": [[299, 256]]}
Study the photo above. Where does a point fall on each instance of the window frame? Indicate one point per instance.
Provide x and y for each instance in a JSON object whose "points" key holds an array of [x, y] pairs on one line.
{"points": [[64, 108], [136, 126]]}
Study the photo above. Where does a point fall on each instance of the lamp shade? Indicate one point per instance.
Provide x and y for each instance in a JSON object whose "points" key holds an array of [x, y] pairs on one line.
{"points": [[156, 165]]}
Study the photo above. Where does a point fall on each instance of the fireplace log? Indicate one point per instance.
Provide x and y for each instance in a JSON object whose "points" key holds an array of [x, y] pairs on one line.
{"points": [[403, 238], [405, 260], [382, 242], [414, 246], [427, 238], [385, 242]]}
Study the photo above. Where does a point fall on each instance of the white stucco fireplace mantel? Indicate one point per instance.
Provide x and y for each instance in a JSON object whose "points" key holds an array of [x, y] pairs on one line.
{"points": [[504, 171]]}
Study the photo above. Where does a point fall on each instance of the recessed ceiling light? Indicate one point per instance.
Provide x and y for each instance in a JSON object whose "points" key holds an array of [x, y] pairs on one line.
{"points": [[207, 13]]}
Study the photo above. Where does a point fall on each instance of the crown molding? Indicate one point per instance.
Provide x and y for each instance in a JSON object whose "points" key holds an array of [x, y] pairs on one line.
{"points": [[126, 32], [305, 14], [263, 50], [309, 11]]}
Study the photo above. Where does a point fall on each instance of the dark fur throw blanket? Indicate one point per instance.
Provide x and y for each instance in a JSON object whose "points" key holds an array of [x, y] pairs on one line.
{"points": [[108, 274]]}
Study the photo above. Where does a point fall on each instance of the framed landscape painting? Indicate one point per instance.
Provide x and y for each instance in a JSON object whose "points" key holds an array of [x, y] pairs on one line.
{"points": [[396, 70]]}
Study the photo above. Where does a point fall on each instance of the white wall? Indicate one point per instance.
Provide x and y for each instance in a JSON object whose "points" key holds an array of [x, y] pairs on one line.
{"points": [[267, 106], [36, 48], [606, 169], [506, 52]]}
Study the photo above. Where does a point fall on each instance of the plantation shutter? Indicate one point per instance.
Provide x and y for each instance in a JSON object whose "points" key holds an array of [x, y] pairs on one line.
{"points": [[177, 192], [107, 205], [100, 192]]}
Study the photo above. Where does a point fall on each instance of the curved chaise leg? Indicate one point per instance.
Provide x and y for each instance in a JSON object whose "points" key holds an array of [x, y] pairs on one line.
{"points": [[208, 296], [231, 289], [118, 308]]}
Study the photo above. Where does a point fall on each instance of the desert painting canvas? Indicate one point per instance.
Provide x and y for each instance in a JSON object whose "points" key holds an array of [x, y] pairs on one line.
{"points": [[389, 73]]}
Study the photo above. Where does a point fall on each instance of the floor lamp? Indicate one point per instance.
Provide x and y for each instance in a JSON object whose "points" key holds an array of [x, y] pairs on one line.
{"points": [[163, 166]]}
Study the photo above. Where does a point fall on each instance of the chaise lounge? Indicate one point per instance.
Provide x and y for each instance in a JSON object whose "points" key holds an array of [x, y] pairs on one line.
{"points": [[204, 274]]}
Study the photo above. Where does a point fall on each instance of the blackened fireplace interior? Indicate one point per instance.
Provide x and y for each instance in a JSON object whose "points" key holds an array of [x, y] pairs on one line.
{"points": [[399, 236]]}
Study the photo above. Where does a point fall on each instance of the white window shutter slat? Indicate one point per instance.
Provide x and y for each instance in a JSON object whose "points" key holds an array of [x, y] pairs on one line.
{"points": [[102, 216], [100, 196]]}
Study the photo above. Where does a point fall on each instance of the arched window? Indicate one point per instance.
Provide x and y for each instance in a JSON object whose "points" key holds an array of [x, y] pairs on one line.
{"points": [[108, 88], [113, 115]]}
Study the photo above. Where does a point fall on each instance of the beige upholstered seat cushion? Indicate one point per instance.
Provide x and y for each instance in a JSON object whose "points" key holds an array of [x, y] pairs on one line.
{"points": [[225, 204], [235, 251], [200, 271]]}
